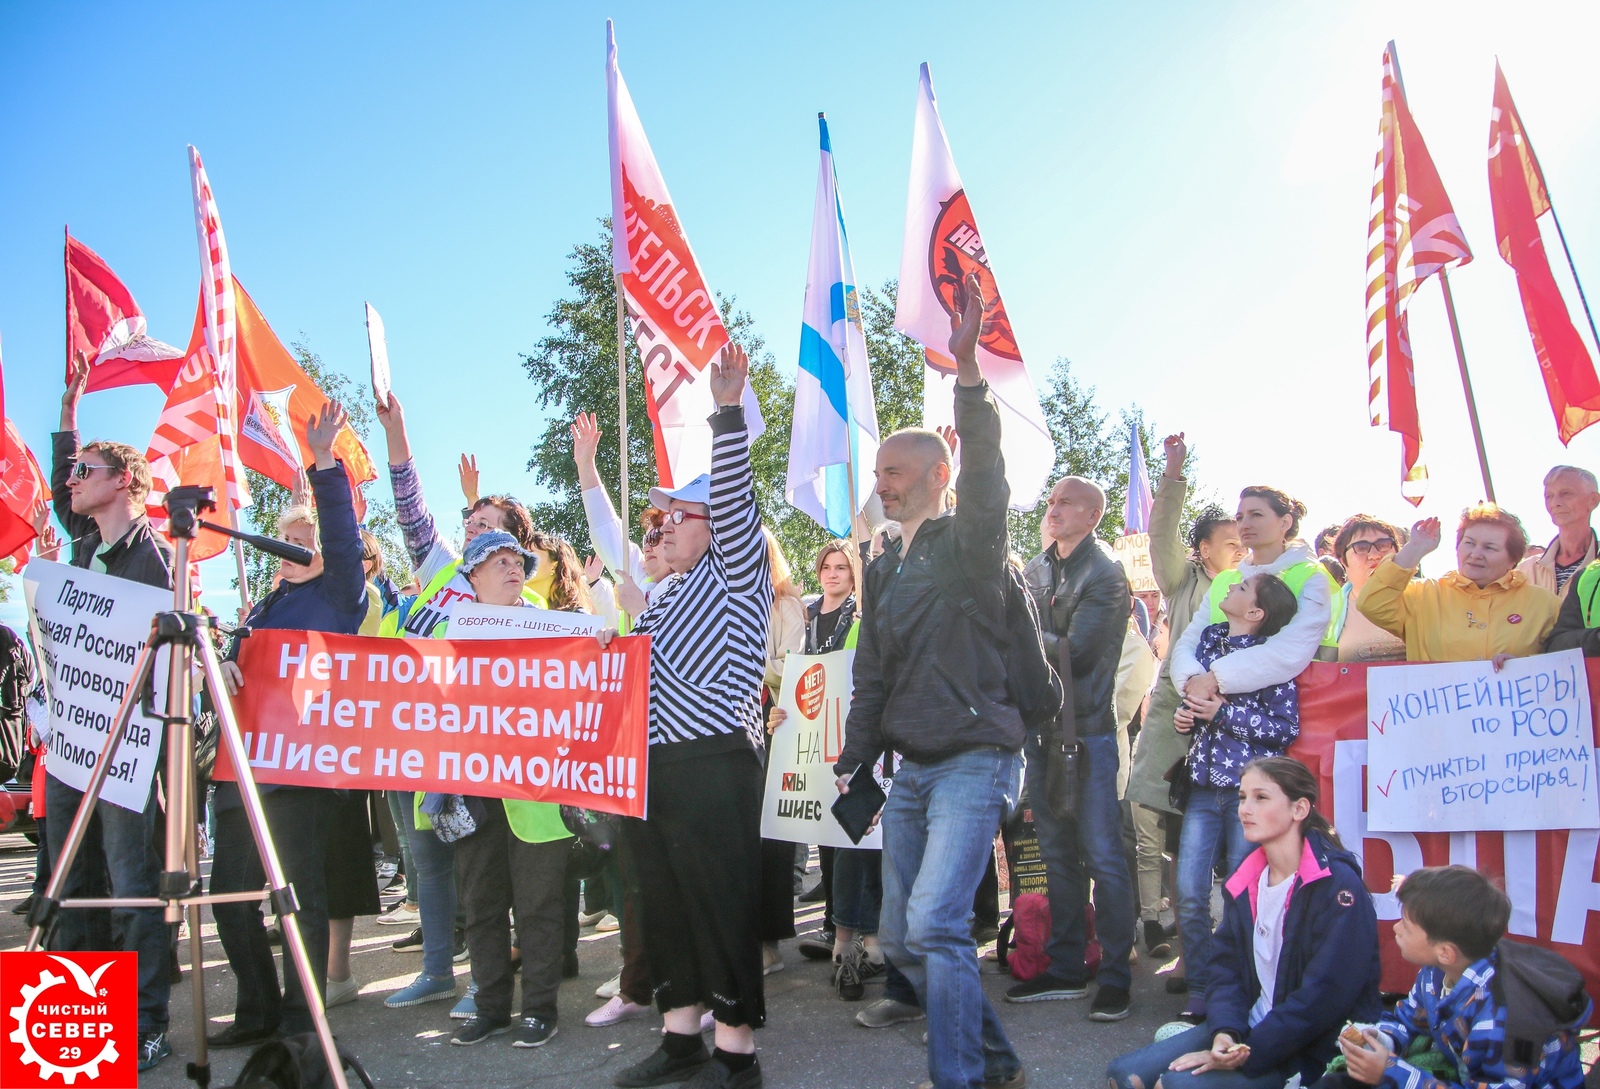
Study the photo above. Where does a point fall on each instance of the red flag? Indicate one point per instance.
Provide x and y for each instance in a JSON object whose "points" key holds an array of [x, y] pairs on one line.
{"points": [[1518, 197], [1413, 233], [107, 326], [22, 488]]}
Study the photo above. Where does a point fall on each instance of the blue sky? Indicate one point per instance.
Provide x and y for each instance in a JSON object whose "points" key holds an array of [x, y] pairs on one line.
{"points": [[1173, 195]]}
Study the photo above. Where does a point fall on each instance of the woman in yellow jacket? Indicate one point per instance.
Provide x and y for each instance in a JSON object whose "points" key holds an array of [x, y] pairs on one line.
{"points": [[1484, 609]]}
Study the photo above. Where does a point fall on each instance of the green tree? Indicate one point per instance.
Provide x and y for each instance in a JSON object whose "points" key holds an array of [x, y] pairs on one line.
{"points": [[271, 499], [1090, 446], [897, 361]]}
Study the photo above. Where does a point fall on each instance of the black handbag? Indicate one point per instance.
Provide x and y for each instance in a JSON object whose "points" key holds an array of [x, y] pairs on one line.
{"points": [[1179, 784], [1063, 753]]}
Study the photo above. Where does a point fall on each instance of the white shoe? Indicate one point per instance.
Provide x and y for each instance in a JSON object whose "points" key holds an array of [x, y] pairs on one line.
{"points": [[591, 918], [609, 988], [771, 959], [617, 1010], [607, 924], [341, 991], [402, 914]]}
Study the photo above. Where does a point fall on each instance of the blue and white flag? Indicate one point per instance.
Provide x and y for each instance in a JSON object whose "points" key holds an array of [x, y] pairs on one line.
{"points": [[1136, 511], [835, 420]]}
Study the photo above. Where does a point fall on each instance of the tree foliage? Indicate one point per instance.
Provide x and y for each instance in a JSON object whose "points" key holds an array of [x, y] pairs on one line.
{"points": [[574, 368], [271, 499]]}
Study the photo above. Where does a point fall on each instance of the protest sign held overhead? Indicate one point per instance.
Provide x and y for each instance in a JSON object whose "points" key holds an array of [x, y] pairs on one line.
{"points": [[942, 247], [1132, 551], [547, 720], [797, 805], [90, 629], [378, 351], [1459, 747], [676, 324]]}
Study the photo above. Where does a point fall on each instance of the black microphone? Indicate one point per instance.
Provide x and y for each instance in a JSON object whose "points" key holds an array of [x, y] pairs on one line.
{"points": [[293, 553]]}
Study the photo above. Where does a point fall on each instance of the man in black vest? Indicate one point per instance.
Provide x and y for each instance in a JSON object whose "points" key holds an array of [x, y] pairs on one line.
{"points": [[1083, 601]]}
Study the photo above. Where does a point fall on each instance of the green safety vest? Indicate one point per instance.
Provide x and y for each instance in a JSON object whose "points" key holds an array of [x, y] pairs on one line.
{"points": [[1295, 578], [1588, 589]]}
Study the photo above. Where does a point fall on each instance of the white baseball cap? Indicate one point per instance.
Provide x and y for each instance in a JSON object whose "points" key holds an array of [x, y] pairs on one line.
{"points": [[697, 490]]}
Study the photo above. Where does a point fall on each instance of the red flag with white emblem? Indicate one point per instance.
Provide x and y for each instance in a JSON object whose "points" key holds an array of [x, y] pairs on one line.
{"points": [[105, 324]]}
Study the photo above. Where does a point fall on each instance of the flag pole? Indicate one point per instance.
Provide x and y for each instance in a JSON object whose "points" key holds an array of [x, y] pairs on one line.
{"points": [[1570, 264], [238, 555], [1466, 385], [1455, 336], [622, 401]]}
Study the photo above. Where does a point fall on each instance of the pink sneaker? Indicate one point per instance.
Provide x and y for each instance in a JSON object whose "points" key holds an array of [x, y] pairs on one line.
{"points": [[615, 1011]]}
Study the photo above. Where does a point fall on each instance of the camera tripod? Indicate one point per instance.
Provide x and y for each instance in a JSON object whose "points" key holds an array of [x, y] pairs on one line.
{"points": [[183, 631]]}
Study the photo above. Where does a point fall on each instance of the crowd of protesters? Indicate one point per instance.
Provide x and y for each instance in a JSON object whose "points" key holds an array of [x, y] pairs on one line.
{"points": [[1149, 735]]}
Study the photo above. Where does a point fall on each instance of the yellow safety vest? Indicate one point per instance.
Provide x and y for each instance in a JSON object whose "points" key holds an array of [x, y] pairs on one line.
{"points": [[416, 619], [1295, 577], [1588, 588]]}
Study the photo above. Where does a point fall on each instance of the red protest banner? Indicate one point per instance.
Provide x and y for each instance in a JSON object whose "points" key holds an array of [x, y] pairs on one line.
{"points": [[547, 720], [1549, 876]]}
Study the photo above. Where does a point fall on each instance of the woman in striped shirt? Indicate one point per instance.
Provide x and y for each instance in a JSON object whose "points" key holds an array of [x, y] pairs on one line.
{"points": [[699, 851]]}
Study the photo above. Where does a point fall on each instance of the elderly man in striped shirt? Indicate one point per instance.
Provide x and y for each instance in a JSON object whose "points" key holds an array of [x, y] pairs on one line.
{"points": [[699, 854]]}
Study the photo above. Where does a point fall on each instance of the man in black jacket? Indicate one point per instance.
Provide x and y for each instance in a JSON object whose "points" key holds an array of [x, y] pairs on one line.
{"points": [[99, 492], [930, 683], [1084, 601]]}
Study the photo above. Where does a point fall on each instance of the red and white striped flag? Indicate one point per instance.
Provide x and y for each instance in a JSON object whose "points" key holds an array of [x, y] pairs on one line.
{"points": [[1413, 234], [196, 439]]}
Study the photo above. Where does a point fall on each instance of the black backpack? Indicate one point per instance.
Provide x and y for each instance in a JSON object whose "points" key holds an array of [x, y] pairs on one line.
{"points": [[1031, 681], [296, 1062]]}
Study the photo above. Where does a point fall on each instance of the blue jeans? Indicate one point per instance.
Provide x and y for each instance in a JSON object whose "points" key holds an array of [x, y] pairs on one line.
{"points": [[1140, 1069], [400, 812], [939, 826], [122, 843], [858, 890], [1077, 849], [434, 886], [1211, 831]]}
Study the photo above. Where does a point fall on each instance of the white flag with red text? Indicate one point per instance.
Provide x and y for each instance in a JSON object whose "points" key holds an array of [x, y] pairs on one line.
{"points": [[671, 308], [942, 246]]}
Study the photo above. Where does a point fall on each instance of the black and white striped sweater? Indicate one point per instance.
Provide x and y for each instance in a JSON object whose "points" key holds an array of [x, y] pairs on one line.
{"points": [[708, 626]]}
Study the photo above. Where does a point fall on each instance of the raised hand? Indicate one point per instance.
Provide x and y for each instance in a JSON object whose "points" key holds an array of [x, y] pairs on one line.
{"points": [[729, 372], [1425, 537], [74, 391], [593, 569], [468, 470], [964, 332], [585, 444], [948, 434], [1177, 452], [392, 418], [322, 429]]}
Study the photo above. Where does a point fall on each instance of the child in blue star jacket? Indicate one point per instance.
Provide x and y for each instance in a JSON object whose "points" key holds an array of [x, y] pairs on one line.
{"points": [[1229, 732]]}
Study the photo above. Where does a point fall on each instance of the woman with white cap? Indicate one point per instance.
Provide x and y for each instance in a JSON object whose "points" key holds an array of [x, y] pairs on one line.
{"points": [[516, 857], [699, 854]]}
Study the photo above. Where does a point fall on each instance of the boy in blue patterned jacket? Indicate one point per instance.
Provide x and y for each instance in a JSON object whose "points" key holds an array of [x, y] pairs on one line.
{"points": [[1507, 1014]]}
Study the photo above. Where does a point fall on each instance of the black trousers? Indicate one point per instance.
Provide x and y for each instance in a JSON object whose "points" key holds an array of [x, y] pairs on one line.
{"points": [[297, 818], [698, 858], [498, 871]]}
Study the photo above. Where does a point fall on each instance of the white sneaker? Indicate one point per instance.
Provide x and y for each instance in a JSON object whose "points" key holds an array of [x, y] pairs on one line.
{"points": [[617, 1010], [607, 924], [342, 991], [609, 988], [771, 959], [402, 914], [590, 918]]}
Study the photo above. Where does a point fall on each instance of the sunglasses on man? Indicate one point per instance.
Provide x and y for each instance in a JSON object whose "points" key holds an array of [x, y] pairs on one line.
{"points": [[82, 469]]}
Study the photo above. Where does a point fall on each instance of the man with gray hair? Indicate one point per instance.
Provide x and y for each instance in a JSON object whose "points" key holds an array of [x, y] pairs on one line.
{"points": [[1570, 496]]}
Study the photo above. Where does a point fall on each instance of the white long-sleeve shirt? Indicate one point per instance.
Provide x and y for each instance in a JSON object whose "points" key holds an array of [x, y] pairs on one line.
{"points": [[1282, 657], [610, 540]]}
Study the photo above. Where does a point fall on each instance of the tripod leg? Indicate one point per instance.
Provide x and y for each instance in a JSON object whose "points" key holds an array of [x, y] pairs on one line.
{"points": [[42, 916], [282, 894]]}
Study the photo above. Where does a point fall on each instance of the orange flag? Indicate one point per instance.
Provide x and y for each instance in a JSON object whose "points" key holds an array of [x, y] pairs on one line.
{"points": [[277, 398]]}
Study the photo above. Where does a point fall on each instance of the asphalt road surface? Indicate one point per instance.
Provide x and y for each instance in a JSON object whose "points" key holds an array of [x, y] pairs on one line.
{"points": [[811, 1039]]}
